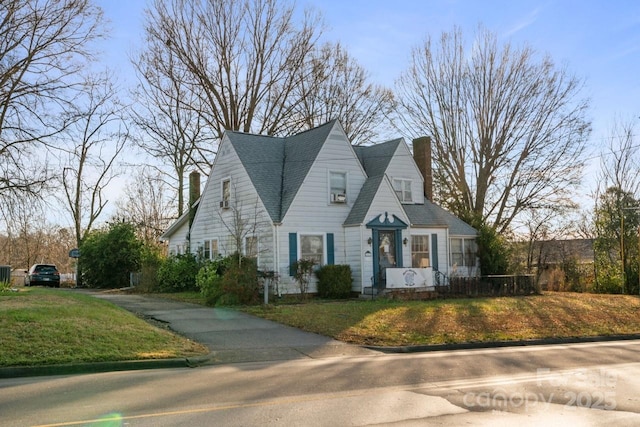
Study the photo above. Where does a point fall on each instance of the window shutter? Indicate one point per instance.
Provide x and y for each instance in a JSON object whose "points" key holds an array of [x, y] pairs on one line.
{"points": [[434, 250], [293, 252], [330, 251]]}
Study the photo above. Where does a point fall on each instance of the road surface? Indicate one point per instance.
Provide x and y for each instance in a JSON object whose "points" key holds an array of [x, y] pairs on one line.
{"points": [[572, 384]]}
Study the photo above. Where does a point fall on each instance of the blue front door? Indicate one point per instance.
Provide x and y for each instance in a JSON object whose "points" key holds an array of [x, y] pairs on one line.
{"points": [[386, 254]]}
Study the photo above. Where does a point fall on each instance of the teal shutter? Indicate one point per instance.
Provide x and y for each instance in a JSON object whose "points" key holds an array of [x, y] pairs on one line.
{"points": [[331, 259], [293, 252], [434, 250]]}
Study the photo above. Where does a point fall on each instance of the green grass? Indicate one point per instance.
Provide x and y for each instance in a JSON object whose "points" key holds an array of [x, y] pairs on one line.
{"points": [[391, 323], [43, 326]]}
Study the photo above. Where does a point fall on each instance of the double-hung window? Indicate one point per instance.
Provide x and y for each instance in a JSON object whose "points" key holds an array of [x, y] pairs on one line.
{"points": [[463, 252], [207, 250], [312, 248], [337, 187], [420, 252], [402, 187], [226, 193]]}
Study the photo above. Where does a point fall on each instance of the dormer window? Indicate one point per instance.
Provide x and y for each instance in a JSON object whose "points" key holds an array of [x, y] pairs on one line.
{"points": [[338, 187], [402, 187]]}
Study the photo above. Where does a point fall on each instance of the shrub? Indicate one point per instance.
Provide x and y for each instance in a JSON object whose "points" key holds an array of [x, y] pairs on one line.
{"points": [[302, 271], [108, 256], [149, 266], [229, 281], [334, 281], [210, 283], [178, 273]]}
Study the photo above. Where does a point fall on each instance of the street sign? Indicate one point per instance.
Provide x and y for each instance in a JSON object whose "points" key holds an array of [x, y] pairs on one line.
{"points": [[74, 253]]}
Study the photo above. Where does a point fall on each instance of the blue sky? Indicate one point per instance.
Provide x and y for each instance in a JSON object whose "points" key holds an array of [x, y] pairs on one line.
{"points": [[596, 40]]}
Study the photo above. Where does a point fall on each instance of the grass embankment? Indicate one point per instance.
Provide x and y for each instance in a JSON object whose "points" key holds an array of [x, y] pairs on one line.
{"points": [[393, 323], [42, 326]]}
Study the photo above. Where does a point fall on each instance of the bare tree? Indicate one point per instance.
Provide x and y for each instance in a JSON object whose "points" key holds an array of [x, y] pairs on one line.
{"points": [[337, 87], [620, 161], [244, 223], [168, 113], [29, 238], [146, 205], [616, 220], [508, 129], [244, 59], [43, 46], [96, 138]]}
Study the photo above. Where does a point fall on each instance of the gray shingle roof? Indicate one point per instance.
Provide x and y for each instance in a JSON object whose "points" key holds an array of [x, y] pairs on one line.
{"points": [[431, 215], [361, 205], [277, 166], [376, 158]]}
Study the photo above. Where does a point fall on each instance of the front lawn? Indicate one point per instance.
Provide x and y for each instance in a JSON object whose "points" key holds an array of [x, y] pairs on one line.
{"points": [[44, 326], [393, 323]]}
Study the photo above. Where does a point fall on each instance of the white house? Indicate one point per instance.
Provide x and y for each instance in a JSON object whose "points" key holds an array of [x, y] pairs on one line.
{"points": [[313, 195]]}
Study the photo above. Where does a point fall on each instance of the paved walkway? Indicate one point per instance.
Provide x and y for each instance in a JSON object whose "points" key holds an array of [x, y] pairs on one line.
{"points": [[233, 336]]}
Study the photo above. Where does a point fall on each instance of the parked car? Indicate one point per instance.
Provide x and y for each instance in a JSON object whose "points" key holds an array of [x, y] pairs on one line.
{"points": [[42, 274]]}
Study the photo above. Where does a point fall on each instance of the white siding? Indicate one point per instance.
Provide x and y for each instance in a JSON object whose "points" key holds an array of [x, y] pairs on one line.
{"points": [[356, 246], [213, 222], [402, 166], [443, 247], [178, 240], [311, 206], [311, 211], [386, 201]]}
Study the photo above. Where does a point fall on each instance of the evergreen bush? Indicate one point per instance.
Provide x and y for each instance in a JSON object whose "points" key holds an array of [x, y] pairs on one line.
{"points": [[334, 281]]}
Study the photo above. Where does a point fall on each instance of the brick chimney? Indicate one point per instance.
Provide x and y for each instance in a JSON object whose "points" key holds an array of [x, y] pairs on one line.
{"points": [[194, 193], [422, 157]]}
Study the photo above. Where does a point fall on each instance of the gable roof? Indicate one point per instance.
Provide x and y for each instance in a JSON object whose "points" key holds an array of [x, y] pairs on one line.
{"points": [[177, 224], [376, 158], [365, 198], [277, 166]]}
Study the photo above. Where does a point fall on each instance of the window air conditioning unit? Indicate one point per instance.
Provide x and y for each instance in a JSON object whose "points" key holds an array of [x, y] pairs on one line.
{"points": [[224, 204], [338, 198]]}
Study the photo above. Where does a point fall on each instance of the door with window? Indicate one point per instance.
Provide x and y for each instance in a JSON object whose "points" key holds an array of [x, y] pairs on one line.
{"points": [[386, 254]]}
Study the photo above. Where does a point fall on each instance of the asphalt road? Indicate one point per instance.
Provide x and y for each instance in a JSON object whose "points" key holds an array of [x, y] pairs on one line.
{"points": [[588, 384]]}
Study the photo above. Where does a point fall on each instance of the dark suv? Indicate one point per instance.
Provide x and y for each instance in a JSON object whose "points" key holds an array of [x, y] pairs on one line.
{"points": [[42, 274]]}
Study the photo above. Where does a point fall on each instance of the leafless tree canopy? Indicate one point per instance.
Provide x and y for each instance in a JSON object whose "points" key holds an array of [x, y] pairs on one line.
{"points": [[146, 205], [620, 161], [337, 87], [243, 58], [43, 45], [94, 141], [508, 128], [168, 114]]}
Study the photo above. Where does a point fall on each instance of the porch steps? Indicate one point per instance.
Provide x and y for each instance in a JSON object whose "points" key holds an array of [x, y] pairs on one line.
{"points": [[369, 292]]}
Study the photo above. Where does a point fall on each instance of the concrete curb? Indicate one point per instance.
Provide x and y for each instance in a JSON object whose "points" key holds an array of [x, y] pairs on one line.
{"points": [[97, 367], [499, 344]]}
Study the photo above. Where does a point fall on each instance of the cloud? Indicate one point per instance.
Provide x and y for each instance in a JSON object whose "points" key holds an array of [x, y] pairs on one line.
{"points": [[523, 23]]}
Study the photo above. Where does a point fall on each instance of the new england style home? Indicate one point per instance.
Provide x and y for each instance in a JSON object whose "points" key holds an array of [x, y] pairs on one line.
{"points": [[315, 196]]}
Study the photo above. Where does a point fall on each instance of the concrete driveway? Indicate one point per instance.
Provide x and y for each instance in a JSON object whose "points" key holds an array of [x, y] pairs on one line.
{"points": [[230, 335]]}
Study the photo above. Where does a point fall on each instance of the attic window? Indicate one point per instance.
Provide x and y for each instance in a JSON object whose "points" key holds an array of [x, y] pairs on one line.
{"points": [[338, 187], [402, 187], [226, 193]]}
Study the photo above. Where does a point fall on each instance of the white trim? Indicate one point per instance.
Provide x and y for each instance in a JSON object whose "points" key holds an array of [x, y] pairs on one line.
{"points": [[222, 199], [402, 190], [324, 244], [334, 198]]}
